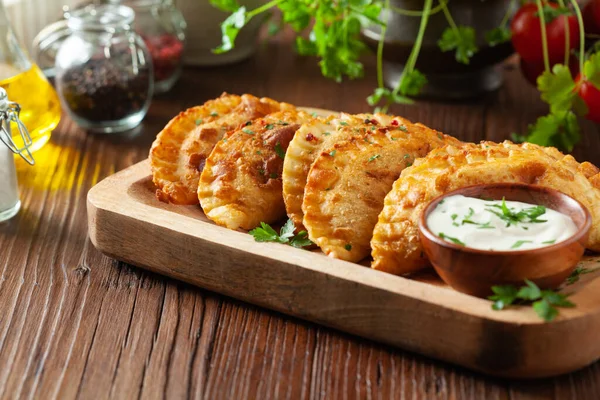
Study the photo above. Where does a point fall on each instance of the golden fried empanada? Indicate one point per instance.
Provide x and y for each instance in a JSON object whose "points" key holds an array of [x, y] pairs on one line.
{"points": [[307, 144], [177, 155], [348, 182], [240, 185], [396, 245]]}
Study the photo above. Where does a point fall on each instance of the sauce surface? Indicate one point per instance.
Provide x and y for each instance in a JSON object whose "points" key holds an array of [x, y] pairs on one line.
{"points": [[498, 225]]}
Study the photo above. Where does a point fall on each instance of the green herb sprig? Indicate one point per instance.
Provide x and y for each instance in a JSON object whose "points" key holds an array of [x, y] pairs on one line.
{"points": [[544, 302], [577, 272], [265, 233], [530, 214]]}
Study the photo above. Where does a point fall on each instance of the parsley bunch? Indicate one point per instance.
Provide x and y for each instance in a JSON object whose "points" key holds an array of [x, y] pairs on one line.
{"points": [[265, 233], [544, 302]]}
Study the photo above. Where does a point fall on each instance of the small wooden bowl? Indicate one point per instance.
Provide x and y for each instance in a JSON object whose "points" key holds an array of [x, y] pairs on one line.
{"points": [[475, 271]]}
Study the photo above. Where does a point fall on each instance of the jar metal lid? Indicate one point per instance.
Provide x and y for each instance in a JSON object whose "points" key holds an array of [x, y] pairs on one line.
{"points": [[9, 113]]}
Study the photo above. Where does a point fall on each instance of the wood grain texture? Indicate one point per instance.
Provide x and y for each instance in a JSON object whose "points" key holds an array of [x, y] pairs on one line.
{"points": [[128, 222], [74, 323]]}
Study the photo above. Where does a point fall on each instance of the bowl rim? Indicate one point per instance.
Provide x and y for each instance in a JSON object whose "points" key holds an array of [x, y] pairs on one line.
{"points": [[425, 231]]}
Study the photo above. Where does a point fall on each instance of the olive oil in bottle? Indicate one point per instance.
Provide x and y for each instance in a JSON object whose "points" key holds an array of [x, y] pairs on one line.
{"points": [[40, 106]]}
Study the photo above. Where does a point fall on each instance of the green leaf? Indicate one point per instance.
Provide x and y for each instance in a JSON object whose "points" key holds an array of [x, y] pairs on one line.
{"points": [[451, 239], [557, 299], [577, 272], [503, 296], [551, 13], [559, 130], [558, 89], [230, 29], [279, 150], [411, 84], [591, 70], [498, 36], [545, 310], [301, 240], [264, 233], [529, 292], [287, 230], [226, 5], [462, 40]]}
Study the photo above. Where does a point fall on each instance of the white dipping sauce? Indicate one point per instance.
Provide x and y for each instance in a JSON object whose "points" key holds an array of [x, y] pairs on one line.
{"points": [[486, 225]]}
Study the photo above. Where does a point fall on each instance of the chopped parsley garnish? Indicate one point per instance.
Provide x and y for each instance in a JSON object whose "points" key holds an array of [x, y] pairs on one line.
{"points": [[214, 114], [451, 239], [269, 126], [265, 233], [332, 153], [506, 214], [199, 121], [279, 150], [273, 175], [248, 131], [259, 152], [408, 156], [487, 225], [409, 164], [348, 246], [544, 302], [454, 216], [283, 123], [248, 123], [326, 133], [549, 242], [374, 157], [343, 123], [403, 128], [314, 114], [261, 171], [440, 136], [520, 243], [577, 272]]}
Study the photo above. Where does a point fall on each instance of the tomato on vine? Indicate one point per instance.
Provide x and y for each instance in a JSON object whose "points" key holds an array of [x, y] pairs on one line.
{"points": [[527, 33], [591, 96], [591, 17]]}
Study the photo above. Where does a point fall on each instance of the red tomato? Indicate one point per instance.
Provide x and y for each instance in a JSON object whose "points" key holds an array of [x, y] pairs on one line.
{"points": [[527, 34], [591, 17], [591, 97]]}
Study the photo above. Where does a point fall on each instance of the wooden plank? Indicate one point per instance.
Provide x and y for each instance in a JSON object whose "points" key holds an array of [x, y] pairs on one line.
{"points": [[127, 222]]}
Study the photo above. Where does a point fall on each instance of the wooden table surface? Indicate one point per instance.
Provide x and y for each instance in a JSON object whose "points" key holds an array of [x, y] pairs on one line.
{"points": [[77, 324]]}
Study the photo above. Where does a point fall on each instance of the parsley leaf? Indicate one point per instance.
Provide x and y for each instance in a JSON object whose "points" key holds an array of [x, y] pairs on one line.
{"points": [[461, 39], [279, 150], [451, 239], [558, 89], [226, 5], [391, 97], [551, 13], [520, 243], [230, 29], [411, 85], [544, 302], [265, 233], [558, 130], [577, 272], [591, 70], [503, 296], [374, 157], [497, 36], [301, 240]]}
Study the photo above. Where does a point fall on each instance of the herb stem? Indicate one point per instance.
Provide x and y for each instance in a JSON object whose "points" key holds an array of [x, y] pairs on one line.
{"points": [[415, 13], [380, 47], [581, 34], [262, 9], [414, 54], [450, 19], [544, 36], [508, 13]]}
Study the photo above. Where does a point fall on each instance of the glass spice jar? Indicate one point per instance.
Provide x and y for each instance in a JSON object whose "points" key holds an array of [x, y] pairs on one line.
{"points": [[162, 26], [103, 69]]}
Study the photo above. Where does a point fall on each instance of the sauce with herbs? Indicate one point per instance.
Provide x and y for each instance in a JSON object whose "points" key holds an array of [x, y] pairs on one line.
{"points": [[498, 225]]}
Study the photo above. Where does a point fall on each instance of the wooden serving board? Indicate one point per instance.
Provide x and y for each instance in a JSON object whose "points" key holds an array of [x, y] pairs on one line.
{"points": [[127, 222]]}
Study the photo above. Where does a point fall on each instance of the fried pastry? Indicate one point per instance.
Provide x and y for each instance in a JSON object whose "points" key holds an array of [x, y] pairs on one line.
{"points": [[396, 247], [240, 185], [348, 182], [307, 144], [177, 155]]}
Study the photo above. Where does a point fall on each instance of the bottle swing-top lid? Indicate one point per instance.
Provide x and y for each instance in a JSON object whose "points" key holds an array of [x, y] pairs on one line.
{"points": [[9, 113]]}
